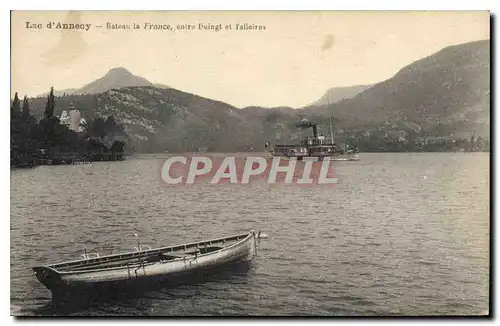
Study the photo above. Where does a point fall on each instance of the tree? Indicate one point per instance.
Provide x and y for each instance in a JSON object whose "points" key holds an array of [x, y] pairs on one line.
{"points": [[110, 123], [112, 126], [26, 107], [15, 109], [49, 107], [97, 128]]}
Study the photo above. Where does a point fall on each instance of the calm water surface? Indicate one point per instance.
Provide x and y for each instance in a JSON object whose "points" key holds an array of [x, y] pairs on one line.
{"points": [[401, 234]]}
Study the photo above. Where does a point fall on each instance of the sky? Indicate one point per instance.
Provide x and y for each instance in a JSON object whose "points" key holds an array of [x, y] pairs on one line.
{"points": [[291, 61]]}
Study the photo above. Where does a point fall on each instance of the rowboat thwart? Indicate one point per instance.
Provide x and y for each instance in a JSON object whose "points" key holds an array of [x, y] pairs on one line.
{"points": [[163, 263]]}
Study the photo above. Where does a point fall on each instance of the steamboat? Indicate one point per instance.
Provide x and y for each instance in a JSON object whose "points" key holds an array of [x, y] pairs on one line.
{"points": [[317, 146]]}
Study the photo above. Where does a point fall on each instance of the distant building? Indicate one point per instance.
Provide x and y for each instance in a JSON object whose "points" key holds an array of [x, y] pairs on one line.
{"points": [[432, 140], [399, 135], [419, 141], [72, 119], [64, 119]]}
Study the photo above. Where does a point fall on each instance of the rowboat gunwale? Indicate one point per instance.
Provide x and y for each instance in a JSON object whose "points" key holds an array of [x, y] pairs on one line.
{"points": [[139, 254], [135, 264]]}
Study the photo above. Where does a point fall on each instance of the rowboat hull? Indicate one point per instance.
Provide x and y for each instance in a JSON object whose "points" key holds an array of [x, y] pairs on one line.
{"points": [[134, 270]]}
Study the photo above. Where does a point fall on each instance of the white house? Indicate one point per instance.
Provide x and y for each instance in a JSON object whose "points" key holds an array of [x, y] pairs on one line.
{"points": [[74, 117], [64, 119], [71, 119]]}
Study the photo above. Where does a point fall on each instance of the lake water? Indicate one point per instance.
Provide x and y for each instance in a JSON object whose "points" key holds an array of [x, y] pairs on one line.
{"points": [[400, 234]]}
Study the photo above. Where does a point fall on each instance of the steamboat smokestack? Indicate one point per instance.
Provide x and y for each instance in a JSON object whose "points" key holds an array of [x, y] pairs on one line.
{"points": [[315, 131]]}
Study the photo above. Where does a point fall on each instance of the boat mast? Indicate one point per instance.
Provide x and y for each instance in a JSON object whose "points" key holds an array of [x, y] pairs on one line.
{"points": [[331, 128]]}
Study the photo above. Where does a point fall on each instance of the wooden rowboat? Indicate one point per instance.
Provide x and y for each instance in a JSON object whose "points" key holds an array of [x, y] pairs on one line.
{"points": [[166, 263]]}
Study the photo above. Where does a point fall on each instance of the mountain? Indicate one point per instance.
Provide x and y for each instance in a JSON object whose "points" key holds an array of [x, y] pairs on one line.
{"points": [[63, 92], [115, 78], [443, 94], [449, 91], [159, 85], [158, 119], [337, 94]]}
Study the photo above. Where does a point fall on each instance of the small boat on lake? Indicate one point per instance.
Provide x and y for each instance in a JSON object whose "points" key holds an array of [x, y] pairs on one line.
{"points": [[94, 272]]}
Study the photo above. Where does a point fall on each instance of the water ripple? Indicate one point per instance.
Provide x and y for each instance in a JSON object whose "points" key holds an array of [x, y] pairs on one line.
{"points": [[385, 241]]}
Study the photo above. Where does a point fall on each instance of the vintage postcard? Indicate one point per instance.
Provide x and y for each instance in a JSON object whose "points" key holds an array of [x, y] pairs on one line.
{"points": [[250, 163]]}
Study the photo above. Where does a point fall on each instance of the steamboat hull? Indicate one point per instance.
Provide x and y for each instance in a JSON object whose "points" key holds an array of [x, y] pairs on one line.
{"points": [[320, 156]]}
